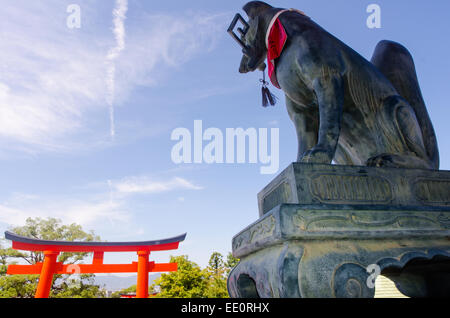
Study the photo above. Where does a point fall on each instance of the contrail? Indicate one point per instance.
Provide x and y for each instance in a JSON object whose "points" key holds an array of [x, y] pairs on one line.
{"points": [[119, 15]]}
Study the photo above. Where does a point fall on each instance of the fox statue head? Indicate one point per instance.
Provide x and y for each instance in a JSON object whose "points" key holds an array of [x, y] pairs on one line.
{"points": [[252, 37]]}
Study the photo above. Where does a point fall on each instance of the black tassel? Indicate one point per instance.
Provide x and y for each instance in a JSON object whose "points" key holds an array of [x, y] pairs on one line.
{"points": [[267, 96], [265, 101], [272, 98]]}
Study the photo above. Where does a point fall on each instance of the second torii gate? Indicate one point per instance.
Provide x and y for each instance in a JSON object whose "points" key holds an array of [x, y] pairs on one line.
{"points": [[52, 249]]}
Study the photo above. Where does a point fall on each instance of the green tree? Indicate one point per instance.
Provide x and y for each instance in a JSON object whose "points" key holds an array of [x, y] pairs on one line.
{"points": [[53, 229], [24, 286], [190, 281], [217, 280], [129, 290], [216, 264], [231, 263], [83, 288]]}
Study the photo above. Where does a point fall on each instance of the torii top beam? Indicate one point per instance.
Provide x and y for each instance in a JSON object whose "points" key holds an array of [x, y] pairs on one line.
{"points": [[30, 244]]}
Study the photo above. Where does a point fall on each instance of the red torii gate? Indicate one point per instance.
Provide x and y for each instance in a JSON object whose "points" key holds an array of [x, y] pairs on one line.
{"points": [[51, 250]]}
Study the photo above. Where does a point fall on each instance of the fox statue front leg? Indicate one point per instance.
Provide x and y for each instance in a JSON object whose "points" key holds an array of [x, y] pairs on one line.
{"points": [[330, 98]]}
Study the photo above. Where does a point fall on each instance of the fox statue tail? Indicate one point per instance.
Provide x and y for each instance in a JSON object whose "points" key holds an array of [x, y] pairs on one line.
{"points": [[397, 64]]}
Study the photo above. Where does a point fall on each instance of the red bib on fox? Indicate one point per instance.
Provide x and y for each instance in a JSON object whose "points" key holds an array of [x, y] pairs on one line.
{"points": [[276, 38]]}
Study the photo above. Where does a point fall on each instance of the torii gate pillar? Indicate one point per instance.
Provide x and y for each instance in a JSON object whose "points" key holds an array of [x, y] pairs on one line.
{"points": [[142, 275], [46, 277]]}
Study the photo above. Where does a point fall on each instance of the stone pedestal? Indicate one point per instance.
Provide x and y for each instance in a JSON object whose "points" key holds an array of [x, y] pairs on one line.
{"points": [[328, 231]]}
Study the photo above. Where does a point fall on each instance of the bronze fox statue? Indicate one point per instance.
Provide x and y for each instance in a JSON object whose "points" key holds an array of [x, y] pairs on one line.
{"points": [[345, 109]]}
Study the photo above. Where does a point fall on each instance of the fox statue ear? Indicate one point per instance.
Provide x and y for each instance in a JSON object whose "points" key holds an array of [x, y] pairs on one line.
{"points": [[255, 8]]}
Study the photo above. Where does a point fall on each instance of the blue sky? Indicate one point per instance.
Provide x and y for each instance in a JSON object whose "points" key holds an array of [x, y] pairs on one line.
{"points": [[175, 64]]}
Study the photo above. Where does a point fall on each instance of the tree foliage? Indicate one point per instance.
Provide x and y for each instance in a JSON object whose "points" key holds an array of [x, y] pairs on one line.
{"points": [[52, 229], [129, 290], [18, 286], [64, 286], [231, 263], [217, 279], [190, 281]]}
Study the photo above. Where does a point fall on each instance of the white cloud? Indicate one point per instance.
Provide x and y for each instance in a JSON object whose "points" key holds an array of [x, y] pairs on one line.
{"points": [[119, 14], [51, 77], [145, 185], [53, 92], [94, 204], [84, 213], [159, 44]]}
